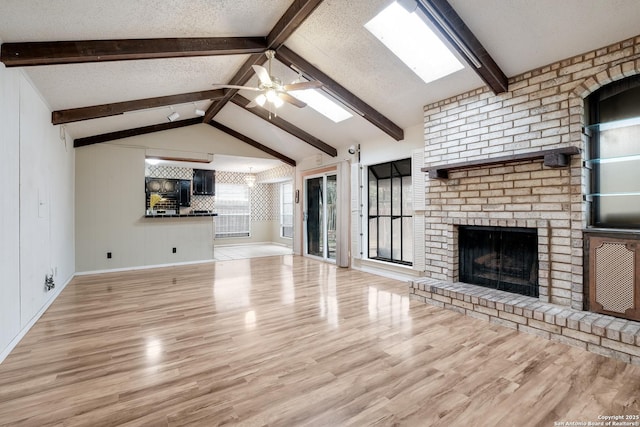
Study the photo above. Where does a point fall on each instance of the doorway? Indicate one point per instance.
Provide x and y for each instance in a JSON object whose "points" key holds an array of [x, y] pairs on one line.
{"points": [[320, 216]]}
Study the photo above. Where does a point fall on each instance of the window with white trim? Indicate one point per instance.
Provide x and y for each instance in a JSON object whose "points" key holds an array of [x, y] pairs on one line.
{"points": [[234, 210], [286, 209]]}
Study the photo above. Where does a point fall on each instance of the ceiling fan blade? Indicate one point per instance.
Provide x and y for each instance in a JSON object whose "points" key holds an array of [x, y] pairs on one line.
{"points": [[291, 100], [222, 86], [303, 85], [252, 104], [263, 75]]}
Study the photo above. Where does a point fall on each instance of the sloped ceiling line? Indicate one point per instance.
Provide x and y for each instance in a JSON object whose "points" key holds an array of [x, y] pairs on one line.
{"points": [[242, 76], [241, 101], [452, 27], [112, 136], [286, 25], [105, 110], [291, 59], [253, 143]]}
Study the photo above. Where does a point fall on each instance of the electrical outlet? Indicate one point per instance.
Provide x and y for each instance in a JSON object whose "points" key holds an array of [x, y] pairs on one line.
{"points": [[48, 282], [174, 250], [108, 255]]}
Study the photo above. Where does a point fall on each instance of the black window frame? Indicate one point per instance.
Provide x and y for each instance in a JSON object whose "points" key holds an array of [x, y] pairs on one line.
{"points": [[396, 169], [593, 117]]}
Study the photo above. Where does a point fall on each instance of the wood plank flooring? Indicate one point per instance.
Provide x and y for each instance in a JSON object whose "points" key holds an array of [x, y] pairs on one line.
{"points": [[288, 341]]}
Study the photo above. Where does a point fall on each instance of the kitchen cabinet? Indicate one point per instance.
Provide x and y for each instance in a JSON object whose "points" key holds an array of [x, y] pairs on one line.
{"points": [[204, 182], [185, 193]]}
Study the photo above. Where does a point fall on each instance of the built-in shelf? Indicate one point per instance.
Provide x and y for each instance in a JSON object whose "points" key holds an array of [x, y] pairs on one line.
{"points": [[553, 158]]}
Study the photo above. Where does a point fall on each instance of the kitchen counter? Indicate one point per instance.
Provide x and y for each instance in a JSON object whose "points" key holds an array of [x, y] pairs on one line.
{"points": [[178, 215]]}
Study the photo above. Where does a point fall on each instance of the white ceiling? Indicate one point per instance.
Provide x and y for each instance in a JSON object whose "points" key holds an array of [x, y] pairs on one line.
{"points": [[519, 34]]}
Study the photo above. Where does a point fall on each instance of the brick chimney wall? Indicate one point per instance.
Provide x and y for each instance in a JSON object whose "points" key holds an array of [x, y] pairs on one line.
{"points": [[543, 109]]}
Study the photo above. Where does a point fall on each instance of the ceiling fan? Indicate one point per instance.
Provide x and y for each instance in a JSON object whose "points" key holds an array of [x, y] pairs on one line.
{"points": [[273, 91]]}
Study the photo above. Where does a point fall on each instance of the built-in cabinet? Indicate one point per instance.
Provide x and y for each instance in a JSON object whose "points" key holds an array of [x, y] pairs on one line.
{"points": [[204, 182], [613, 273], [185, 193]]}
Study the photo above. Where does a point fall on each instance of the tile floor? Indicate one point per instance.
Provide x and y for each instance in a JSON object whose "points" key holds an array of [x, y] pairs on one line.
{"points": [[225, 253]]}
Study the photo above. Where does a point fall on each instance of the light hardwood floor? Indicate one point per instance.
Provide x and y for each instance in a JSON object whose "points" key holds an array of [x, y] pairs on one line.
{"points": [[290, 341]]}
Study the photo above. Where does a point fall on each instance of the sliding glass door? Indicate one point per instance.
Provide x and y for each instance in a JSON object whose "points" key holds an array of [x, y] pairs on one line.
{"points": [[320, 216]]}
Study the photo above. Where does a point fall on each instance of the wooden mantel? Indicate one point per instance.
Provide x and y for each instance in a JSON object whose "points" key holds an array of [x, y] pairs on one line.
{"points": [[553, 158]]}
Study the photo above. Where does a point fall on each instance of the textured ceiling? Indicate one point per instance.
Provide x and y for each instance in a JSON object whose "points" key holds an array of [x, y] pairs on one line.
{"points": [[522, 35], [46, 20], [519, 34]]}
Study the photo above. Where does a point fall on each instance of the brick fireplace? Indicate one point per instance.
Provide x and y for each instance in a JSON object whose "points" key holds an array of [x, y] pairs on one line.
{"points": [[515, 159], [503, 258], [510, 196]]}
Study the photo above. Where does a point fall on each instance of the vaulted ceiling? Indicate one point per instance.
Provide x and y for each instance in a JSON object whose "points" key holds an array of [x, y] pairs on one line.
{"points": [[140, 59]]}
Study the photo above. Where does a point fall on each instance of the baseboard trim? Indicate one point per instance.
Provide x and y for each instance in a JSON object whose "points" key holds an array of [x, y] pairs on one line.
{"points": [[143, 267], [16, 340], [397, 272]]}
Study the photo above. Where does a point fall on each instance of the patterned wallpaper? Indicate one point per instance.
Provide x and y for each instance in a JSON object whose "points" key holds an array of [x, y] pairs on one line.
{"points": [[230, 177], [171, 172], [278, 174], [265, 201], [262, 202]]}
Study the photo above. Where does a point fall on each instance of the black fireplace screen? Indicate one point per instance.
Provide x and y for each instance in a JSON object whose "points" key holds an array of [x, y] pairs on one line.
{"points": [[501, 258]]}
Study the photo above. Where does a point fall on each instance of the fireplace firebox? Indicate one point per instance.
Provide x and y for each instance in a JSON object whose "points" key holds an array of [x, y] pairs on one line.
{"points": [[503, 258]]}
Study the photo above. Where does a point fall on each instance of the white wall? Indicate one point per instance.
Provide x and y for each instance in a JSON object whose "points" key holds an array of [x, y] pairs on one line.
{"points": [[375, 151], [110, 201], [110, 208], [36, 226], [9, 206]]}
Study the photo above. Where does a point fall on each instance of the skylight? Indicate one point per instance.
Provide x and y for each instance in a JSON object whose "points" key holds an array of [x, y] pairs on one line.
{"points": [[411, 40], [322, 104]]}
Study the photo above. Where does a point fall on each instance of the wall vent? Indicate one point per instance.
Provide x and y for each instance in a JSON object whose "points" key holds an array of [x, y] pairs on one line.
{"points": [[613, 277]]}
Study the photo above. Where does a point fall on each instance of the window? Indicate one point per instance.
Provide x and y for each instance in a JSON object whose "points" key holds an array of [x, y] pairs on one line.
{"points": [[286, 210], [234, 210], [614, 129], [407, 35], [390, 212], [322, 104]]}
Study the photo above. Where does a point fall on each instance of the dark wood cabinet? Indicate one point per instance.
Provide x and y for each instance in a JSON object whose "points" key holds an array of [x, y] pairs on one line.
{"points": [[185, 193], [204, 182]]}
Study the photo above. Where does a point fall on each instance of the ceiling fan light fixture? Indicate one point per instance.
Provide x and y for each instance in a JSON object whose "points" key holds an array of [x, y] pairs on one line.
{"points": [[277, 102], [261, 99], [271, 95]]}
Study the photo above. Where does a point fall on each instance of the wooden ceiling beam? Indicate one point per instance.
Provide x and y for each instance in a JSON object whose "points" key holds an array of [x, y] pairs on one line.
{"points": [[242, 76], [293, 60], [73, 52], [453, 28], [286, 126], [295, 15], [105, 110], [286, 25], [112, 136], [252, 142]]}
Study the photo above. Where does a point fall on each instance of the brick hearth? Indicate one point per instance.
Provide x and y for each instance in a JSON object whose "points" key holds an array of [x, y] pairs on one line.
{"points": [[597, 333]]}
